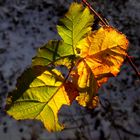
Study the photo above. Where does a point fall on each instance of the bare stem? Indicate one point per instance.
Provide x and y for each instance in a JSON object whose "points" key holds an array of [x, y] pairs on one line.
{"points": [[129, 59], [95, 13]]}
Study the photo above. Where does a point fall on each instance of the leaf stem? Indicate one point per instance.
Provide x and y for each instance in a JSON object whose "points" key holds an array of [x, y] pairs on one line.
{"points": [[95, 13], [128, 58]]}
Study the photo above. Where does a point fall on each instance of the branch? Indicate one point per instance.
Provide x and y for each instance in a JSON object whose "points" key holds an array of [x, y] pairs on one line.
{"points": [[95, 13], [128, 58]]}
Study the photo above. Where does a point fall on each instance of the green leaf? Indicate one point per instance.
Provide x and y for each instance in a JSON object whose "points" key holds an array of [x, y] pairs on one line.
{"points": [[51, 52], [42, 100], [41, 91], [75, 25], [72, 28]]}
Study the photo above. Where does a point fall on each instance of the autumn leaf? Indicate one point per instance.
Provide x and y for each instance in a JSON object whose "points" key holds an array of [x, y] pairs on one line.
{"points": [[87, 86], [102, 53], [42, 89], [42, 100], [89, 57], [51, 53], [75, 25]]}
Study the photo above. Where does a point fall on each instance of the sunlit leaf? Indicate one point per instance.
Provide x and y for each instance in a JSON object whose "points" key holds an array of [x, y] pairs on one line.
{"points": [[40, 93], [72, 68], [43, 99], [75, 25], [87, 86], [102, 52], [52, 52], [72, 28]]}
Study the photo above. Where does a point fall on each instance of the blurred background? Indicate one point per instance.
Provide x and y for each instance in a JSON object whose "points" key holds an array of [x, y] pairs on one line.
{"points": [[27, 24]]}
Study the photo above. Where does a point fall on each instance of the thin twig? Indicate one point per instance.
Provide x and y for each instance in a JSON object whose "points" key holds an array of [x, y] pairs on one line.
{"points": [[128, 58], [133, 66], [95, 13]]}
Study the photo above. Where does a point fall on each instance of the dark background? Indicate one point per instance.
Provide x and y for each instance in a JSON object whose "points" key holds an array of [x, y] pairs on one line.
{"points": [[27, 24]]}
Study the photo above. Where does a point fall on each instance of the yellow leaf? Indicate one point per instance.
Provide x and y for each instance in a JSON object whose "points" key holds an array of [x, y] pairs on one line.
{"points": [[104, 52], [46, 94], [87, 86], [84, 99], [101, 53]]}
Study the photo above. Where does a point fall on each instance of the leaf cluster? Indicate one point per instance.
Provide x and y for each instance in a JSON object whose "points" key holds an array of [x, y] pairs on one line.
{"points": [[69, 69]]}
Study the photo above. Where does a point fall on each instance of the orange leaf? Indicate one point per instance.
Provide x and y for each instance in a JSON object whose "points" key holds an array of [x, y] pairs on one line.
{"points": [[104, 51], [101, 55]]}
